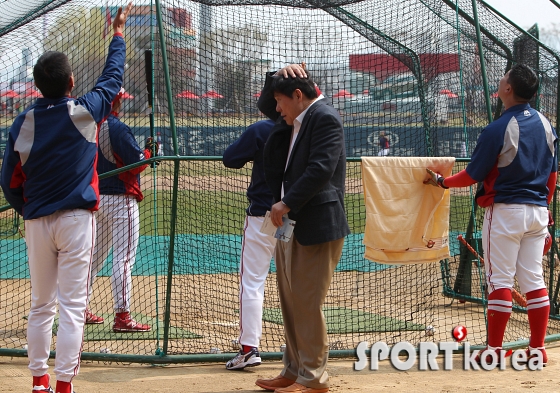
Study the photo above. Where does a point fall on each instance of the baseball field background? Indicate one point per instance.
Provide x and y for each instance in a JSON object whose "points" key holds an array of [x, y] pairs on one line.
{"points": [[423, 71]]}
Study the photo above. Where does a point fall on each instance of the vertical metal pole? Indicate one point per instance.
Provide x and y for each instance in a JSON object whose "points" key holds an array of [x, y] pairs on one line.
{"points": [[482, 63], [551, 256], [205, 27], [149, 69], [173, 223]]}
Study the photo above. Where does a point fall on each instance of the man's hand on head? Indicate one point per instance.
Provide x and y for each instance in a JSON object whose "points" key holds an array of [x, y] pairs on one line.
{"points": [[276, 212], [293, 70], [120, 19]]}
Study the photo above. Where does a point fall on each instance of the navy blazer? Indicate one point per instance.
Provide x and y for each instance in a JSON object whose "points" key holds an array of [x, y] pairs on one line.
{"points": [[314, 179]]}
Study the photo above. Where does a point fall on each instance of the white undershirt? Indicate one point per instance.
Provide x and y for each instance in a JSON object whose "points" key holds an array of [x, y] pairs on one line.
{"points": [[295, 131]]}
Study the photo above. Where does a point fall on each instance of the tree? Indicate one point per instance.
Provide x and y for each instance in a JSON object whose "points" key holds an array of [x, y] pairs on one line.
{"points": [[551, 35], [80, 37]]}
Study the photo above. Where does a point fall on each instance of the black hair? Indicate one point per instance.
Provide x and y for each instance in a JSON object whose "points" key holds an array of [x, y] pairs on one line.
{"points": [[52, 74], [287, 86], [524, 81]]}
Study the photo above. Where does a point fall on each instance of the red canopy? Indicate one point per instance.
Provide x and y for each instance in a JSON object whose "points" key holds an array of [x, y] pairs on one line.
{"points": [[448, 93], [187, 94], [343, 93], [30, 93], [9, 94], [212, 94]]}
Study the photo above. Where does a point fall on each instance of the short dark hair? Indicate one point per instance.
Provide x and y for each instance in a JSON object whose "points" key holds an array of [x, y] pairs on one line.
{"points": [[524, 81], [52, 74], [287, 86]]}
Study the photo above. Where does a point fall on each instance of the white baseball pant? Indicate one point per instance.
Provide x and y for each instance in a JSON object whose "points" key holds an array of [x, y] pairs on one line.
{"points": [[60, 249], [256, 252], [118, 224], [513, 239]]}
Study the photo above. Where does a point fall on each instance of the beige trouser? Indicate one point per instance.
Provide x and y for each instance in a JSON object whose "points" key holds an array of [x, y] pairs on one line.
{"points": [[304, 274]]}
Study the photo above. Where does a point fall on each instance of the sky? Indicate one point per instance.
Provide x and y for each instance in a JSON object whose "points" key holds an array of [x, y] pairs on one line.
{"points": [[526, 13]]}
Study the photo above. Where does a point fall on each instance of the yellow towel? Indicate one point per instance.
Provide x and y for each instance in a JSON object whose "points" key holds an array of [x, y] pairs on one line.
{"points": [[406, 220]]}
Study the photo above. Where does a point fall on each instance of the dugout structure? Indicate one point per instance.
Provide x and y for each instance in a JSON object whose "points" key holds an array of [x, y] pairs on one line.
{"points": [[423, 71]]}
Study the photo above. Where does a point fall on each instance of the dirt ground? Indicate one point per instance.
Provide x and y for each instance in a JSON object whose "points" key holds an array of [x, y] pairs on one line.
{"points": [[97, 377]]}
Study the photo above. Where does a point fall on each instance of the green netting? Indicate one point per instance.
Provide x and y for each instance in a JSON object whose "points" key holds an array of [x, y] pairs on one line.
{"points": [[410, 68], [104, 331]]}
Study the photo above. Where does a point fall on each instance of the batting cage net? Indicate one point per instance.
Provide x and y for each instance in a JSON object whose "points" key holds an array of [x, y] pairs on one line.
{"points": [[422, 73]]}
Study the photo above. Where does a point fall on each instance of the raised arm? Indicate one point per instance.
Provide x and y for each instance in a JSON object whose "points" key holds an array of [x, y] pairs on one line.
{"points": [[98, 100]]}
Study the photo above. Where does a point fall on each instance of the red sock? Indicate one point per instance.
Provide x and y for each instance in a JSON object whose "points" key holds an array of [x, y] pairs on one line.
{"points": [[43, 380], [247, 348], [538, 308], [499, 310], [63, 387], [123, 315]]}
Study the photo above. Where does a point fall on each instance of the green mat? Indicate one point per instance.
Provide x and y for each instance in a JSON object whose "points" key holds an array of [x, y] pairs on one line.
{"points": [[104, 331], [342, 320]]}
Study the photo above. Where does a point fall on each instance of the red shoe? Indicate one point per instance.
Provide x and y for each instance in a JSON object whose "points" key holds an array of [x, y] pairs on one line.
{"points": [[124, 323], [488, 359], [64, 387], [92, 319], [544, 357], [42, 384]]}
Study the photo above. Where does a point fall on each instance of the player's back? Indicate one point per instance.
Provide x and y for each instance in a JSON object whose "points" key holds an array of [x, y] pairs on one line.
{"points": [[118, 148], [524, 179], [56, 141], [523, 142]]}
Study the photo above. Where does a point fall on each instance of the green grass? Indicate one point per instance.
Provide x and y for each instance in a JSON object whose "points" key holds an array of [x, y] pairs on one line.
{"points": [[198, 212], [215, 212], [223, 212]]}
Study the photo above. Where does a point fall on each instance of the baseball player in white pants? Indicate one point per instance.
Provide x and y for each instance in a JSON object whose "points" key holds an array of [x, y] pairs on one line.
{"points": [[257, 248], [118, 221], [60, 271], [256, 252], [517, 161], [49, 177]]}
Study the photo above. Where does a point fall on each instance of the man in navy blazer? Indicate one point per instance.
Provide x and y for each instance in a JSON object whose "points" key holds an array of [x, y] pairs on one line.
{"points": [[305, 169]]}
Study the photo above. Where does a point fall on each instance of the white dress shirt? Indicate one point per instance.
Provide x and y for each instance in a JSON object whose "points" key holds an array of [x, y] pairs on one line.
{"points": [[295, 131]]}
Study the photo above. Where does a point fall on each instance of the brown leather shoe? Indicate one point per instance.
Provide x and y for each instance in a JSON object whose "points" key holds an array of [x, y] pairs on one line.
{"points": [[274, 383], [298, 388]]}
